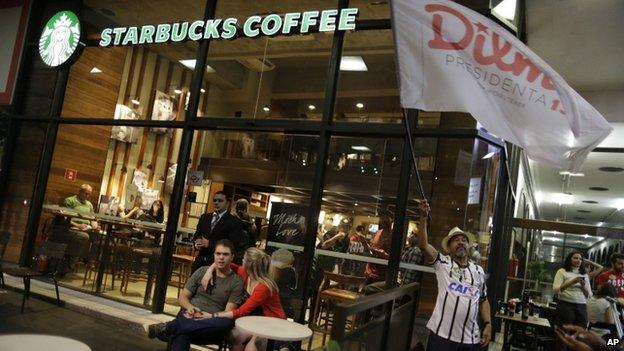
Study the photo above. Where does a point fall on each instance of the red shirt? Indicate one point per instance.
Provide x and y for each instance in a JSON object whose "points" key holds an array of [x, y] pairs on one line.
{"points": [[382, 240], [611, 276], [260, 297]]}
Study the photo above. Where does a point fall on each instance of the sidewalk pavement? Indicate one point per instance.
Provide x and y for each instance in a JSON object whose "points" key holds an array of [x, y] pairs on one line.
{"points": [[101, 323]]}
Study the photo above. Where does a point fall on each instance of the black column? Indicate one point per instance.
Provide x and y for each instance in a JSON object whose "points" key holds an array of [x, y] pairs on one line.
{"points": [[401, 206], [500, 240], [44, 166], [321, 161], [184, 155]]}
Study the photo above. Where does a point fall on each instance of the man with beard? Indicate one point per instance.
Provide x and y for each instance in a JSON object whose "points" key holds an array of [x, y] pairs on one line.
{"points": [[615, 275], [453, 326]]}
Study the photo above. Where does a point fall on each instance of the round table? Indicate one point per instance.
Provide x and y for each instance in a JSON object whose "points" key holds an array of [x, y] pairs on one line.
{"points": [[273, 329], [38, 342]]}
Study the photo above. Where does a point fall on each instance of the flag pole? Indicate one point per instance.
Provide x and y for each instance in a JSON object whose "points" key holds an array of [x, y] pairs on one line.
{"points": [[410, 140], [406, 123]]}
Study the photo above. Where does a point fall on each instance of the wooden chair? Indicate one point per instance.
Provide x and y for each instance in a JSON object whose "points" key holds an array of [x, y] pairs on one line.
{"points": [[334, 288], [51, 250], [134, 268], [182, 260], [4, 242]]}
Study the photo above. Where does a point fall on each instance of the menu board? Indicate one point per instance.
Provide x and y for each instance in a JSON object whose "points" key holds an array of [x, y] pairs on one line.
{"points": [[287, 223]]}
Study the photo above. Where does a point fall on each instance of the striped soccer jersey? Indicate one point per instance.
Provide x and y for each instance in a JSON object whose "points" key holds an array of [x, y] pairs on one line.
{"points": [[460, 290]]}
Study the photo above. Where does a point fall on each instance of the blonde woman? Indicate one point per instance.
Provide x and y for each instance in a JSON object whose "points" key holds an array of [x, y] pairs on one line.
{"points": [[261, 289]]}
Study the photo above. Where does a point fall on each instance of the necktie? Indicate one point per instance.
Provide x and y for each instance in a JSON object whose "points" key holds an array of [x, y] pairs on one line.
{"points": [[215, 219]]}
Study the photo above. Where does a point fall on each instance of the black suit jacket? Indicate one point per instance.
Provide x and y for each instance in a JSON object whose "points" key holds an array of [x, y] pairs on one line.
{"points": [[228, 227]]}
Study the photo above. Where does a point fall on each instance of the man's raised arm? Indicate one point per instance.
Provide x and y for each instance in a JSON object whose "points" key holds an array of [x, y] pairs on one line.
{"points": [[430, 253]]}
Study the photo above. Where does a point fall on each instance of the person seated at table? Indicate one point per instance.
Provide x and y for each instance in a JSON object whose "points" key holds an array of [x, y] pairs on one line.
{"points": [[76, 235], [196, 322], [263, 294], [155, 213], [599, 305], [135, 212]]}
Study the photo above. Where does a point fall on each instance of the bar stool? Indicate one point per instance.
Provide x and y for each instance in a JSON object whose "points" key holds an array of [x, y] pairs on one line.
{"points": [[334, 288]]}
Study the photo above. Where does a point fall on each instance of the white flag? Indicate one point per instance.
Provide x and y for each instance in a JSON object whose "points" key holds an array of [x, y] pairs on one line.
{"points": [[454, 59]]}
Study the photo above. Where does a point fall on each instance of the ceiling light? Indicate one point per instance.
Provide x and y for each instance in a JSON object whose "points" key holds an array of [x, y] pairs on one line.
{"points": [[191, 65], [266, 108], [311, 107], [202, 90], [353, 63], [360, 148], [135, 101], [95, 70], [506, 9], [619, 204], [359, 105], [600, 224], [336, 219], [488, 155], [177, 91], [562, 199], [571, 174]]}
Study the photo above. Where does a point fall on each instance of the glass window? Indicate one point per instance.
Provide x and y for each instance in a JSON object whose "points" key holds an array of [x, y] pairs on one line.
{"points": [[108, 199], [355, 221], [21, 179], [148, 82], [371, 9], [367, 89], [283, 76], [269, 174]]}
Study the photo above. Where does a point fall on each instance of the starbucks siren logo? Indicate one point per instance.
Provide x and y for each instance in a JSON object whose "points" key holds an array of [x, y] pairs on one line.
{"points": [[60, 38]]}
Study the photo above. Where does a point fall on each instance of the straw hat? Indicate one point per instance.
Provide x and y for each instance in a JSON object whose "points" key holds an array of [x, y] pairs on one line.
{"points": [[453, 233]]}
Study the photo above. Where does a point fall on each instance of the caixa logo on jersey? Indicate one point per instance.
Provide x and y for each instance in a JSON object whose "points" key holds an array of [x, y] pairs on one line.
{"points": [[469, 291]]}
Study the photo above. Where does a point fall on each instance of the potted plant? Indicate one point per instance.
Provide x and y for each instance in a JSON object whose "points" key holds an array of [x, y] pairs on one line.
{"points": [[537, 272]]}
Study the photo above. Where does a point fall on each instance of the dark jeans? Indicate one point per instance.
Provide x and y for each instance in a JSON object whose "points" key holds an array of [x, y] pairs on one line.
{"points": [[572, 313], [186, 331], [436, 343]]}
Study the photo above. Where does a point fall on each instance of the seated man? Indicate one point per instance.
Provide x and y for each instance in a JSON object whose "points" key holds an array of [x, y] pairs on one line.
{"points": [[76, 236], [191, 324]]}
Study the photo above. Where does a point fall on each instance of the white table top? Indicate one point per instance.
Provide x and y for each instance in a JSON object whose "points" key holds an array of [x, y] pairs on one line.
{"points": [[273, 328], [38, 342]]}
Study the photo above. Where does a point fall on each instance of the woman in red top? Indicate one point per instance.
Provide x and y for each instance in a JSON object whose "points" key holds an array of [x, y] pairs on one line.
{"points": [[262, 290]]}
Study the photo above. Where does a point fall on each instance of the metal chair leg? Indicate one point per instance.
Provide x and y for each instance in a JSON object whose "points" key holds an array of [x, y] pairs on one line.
{"points": [[26, 292], [58, 298]]}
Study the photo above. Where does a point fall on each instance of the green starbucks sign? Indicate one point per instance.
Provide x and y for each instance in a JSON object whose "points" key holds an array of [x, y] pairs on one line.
{"points": [[60, 39]]}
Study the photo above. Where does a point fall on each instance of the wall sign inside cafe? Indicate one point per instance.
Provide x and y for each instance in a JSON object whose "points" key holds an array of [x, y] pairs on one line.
{"points": [[254, 26]]}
